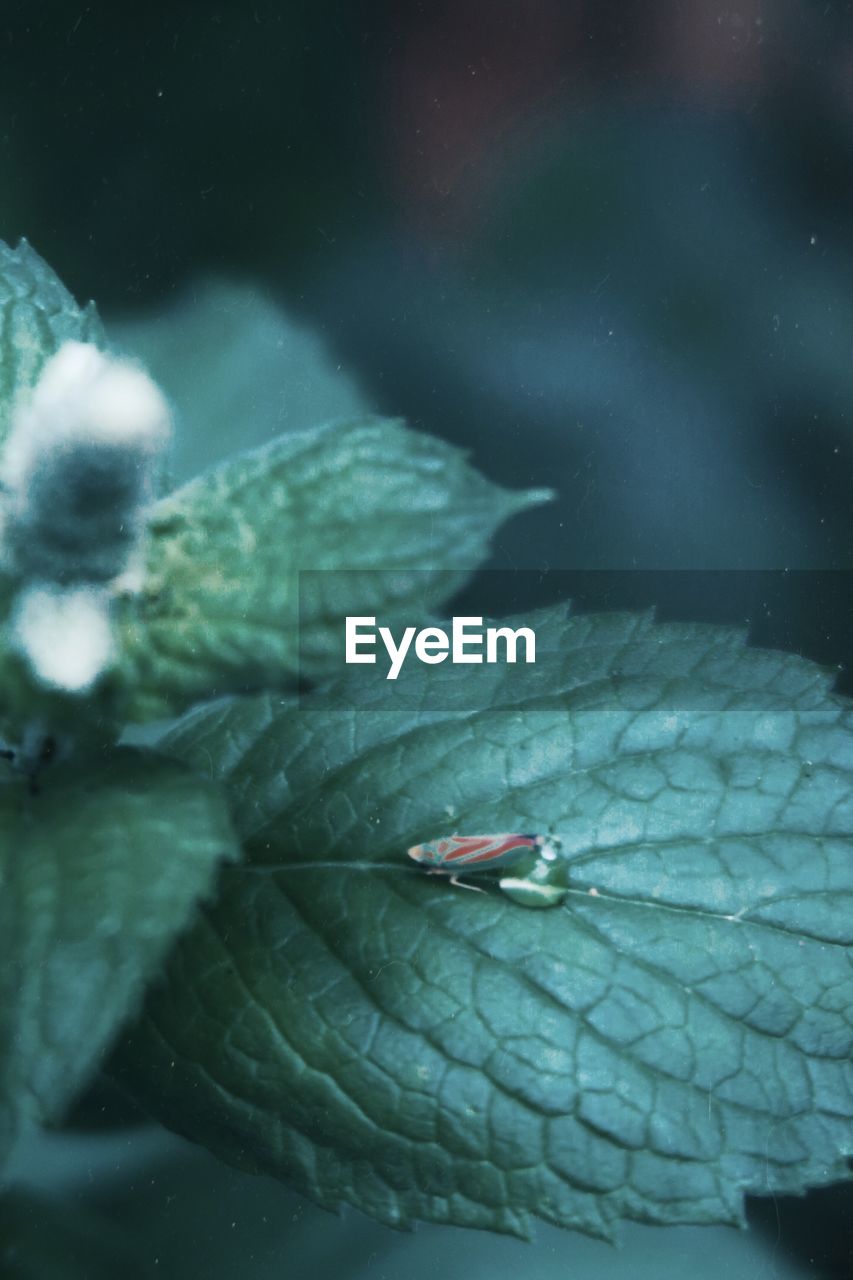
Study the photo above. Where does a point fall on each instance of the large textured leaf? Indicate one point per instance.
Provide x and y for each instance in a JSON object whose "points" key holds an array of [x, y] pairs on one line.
{"points": [[675, 1034], [222, 600], [37, 314], [98, 872]]}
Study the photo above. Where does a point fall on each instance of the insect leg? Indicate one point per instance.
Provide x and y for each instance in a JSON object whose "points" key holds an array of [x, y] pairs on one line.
{"points": [[461, 885]]}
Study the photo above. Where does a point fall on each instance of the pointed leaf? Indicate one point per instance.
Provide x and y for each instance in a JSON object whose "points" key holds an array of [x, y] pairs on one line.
{"points": [[676, 1034], [222, 600], [37, 314]]}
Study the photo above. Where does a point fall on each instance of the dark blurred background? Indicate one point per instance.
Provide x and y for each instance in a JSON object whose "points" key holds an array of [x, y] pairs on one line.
{"points": [[605, 245]]}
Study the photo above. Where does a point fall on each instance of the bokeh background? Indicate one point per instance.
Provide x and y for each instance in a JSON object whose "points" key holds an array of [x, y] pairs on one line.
{"points": [[606, 245]]}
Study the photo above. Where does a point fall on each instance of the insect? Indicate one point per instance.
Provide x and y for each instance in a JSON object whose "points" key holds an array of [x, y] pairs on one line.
{"points": [[539, 881], [457, 855]]}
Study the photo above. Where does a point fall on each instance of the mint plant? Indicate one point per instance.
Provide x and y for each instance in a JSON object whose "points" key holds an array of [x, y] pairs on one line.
{"points": [[231, 911]]}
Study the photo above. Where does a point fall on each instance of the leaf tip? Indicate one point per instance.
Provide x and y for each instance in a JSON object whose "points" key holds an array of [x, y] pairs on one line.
{"points": [[525, 499]]}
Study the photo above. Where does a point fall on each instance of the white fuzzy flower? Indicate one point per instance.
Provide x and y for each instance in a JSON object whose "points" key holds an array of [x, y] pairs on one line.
{"points": [[65, 634], [77, 467], [76, 477]]}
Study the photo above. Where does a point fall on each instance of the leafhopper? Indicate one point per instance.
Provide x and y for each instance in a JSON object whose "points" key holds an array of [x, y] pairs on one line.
{"points": [[463, 855]]}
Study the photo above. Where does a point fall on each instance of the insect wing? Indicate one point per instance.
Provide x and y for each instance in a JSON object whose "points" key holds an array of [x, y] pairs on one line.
{"points": [[469, 851]]}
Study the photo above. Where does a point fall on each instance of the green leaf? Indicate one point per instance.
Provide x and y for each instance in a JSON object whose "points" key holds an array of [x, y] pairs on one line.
{"points": [[37, 314], [676, 1034], [222, 597], [98, 872], [239, 371]]}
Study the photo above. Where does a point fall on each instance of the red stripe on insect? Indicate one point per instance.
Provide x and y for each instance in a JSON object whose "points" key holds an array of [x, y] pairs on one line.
{"points": [[490, 851], [468, 846], [460, 851]]}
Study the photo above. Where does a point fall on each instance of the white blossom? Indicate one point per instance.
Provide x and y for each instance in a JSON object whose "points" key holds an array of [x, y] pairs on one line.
{"points": [[76, 479]]}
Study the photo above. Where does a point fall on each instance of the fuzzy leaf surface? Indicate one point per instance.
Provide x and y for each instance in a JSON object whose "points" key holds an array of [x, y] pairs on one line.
{"points": [[377, 507], [676, 1034]]}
